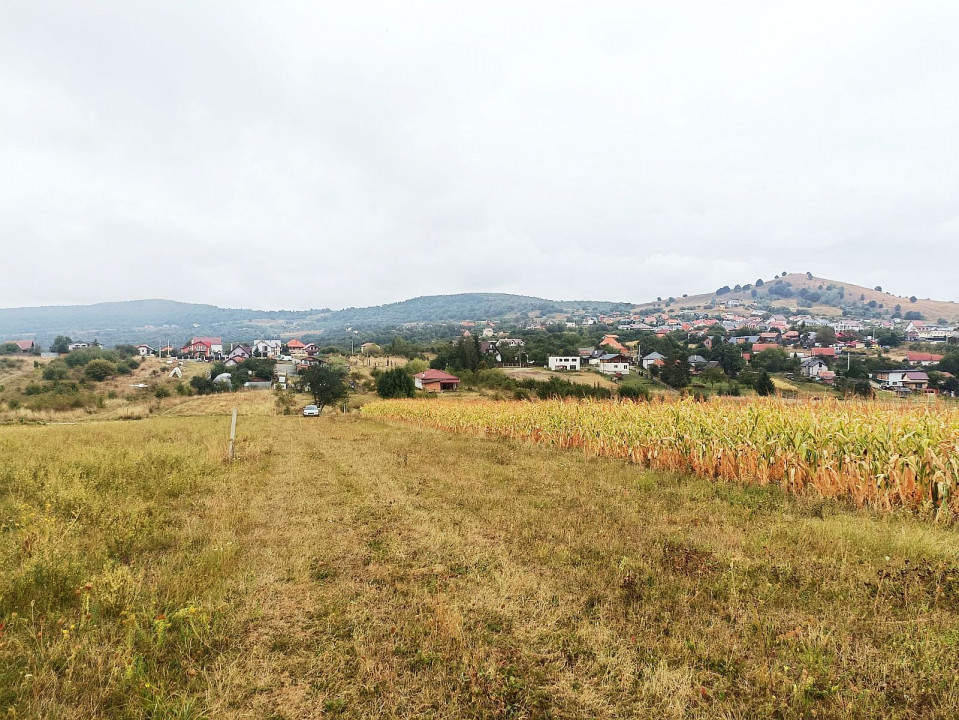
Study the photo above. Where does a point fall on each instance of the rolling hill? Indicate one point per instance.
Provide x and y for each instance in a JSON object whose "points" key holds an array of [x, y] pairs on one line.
{"points": [[802, 292], [161, 321]]}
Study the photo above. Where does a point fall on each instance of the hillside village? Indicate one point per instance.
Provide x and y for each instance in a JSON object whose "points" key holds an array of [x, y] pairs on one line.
{"points": [[795, 328], [732, 340]]}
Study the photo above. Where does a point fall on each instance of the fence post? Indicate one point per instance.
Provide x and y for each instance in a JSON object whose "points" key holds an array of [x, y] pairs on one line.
{"points": [[232, 433]]}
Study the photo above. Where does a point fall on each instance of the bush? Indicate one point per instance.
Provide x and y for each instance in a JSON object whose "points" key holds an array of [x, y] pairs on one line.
{"points": [[79, 358], [162, 391], [203, 385], [99, 369], [633, 392], [55, 371], [395, 383]]}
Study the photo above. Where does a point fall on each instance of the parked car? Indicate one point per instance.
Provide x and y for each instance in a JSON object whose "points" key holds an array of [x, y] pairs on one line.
{"points": [[311, 411]]}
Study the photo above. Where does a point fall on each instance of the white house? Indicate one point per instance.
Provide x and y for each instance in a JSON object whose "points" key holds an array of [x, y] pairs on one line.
{"points": [[145, 350], [557, 362], [613, 363], [654, 358], [267, 348], [812, 367]]}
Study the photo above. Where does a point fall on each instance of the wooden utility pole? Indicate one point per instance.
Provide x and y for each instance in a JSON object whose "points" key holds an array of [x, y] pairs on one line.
{"points": [[232, 434]]}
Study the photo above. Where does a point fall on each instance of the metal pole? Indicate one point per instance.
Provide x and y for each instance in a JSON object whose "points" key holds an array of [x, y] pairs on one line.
{"points": [[232, 433]]}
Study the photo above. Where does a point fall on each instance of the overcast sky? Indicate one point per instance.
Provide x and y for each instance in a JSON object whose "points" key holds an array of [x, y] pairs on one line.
{"points": [[297, 155]]}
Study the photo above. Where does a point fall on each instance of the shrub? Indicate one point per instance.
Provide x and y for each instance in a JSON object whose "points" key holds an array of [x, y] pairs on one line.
{"points": [[55, 371], [395, 383], [633, 392], [99, 369]]}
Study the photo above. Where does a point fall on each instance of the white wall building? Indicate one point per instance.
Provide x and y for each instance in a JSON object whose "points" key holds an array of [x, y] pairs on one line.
{"points": [[557, 362], [614, 363]]}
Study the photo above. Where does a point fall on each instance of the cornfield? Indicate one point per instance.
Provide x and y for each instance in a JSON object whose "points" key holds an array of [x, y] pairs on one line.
{"points": [[876, 455]]}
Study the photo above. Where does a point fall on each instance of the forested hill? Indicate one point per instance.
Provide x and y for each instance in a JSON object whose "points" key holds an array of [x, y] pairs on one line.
{"points": [[455, 308], [161, 321]]}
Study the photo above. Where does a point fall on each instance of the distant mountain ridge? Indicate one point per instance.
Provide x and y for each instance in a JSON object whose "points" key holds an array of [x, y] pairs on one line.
{"points": [[161, 321]]}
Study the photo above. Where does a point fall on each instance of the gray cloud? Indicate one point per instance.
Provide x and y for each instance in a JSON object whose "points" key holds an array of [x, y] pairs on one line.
{"points": [[331, 154]]}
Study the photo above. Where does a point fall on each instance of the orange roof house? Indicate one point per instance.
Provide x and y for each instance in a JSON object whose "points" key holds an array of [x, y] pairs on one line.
{"points": [[612, 342], [435, 381]]}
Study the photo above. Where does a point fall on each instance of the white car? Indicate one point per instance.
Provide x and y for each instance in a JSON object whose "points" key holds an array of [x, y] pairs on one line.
{"points": [[311, 411]]}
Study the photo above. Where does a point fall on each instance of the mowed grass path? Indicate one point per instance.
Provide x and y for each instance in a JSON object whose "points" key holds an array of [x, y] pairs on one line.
{"points": [[348, 568]]}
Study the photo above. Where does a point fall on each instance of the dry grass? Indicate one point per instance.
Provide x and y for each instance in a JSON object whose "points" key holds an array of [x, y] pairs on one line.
{"points": [[541, 374], [349, 568]]}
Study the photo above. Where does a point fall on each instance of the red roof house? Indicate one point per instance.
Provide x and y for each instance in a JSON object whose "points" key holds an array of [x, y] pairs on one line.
{"points": [[203, 348], [612, 342], [435, 381], [922, 358], [823, 352]]}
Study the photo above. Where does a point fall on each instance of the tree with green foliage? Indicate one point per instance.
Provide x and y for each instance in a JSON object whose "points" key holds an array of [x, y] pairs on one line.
{"points": [[772, 360], [713, 375], [9, 348], [675, 372], [825, 335], [326, 383], [764, 384], [729, 356], [464, 354], [395, 383], [61, 344]]}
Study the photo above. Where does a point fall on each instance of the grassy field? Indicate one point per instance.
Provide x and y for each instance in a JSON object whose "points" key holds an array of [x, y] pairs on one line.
{"points": [[346, 567]]}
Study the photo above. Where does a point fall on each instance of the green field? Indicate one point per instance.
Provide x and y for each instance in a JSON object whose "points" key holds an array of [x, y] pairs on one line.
{"points": [[347, 567]]}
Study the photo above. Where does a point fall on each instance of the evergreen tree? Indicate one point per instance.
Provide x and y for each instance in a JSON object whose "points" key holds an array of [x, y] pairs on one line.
{"points": [[764, 384], [395, 383]]}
